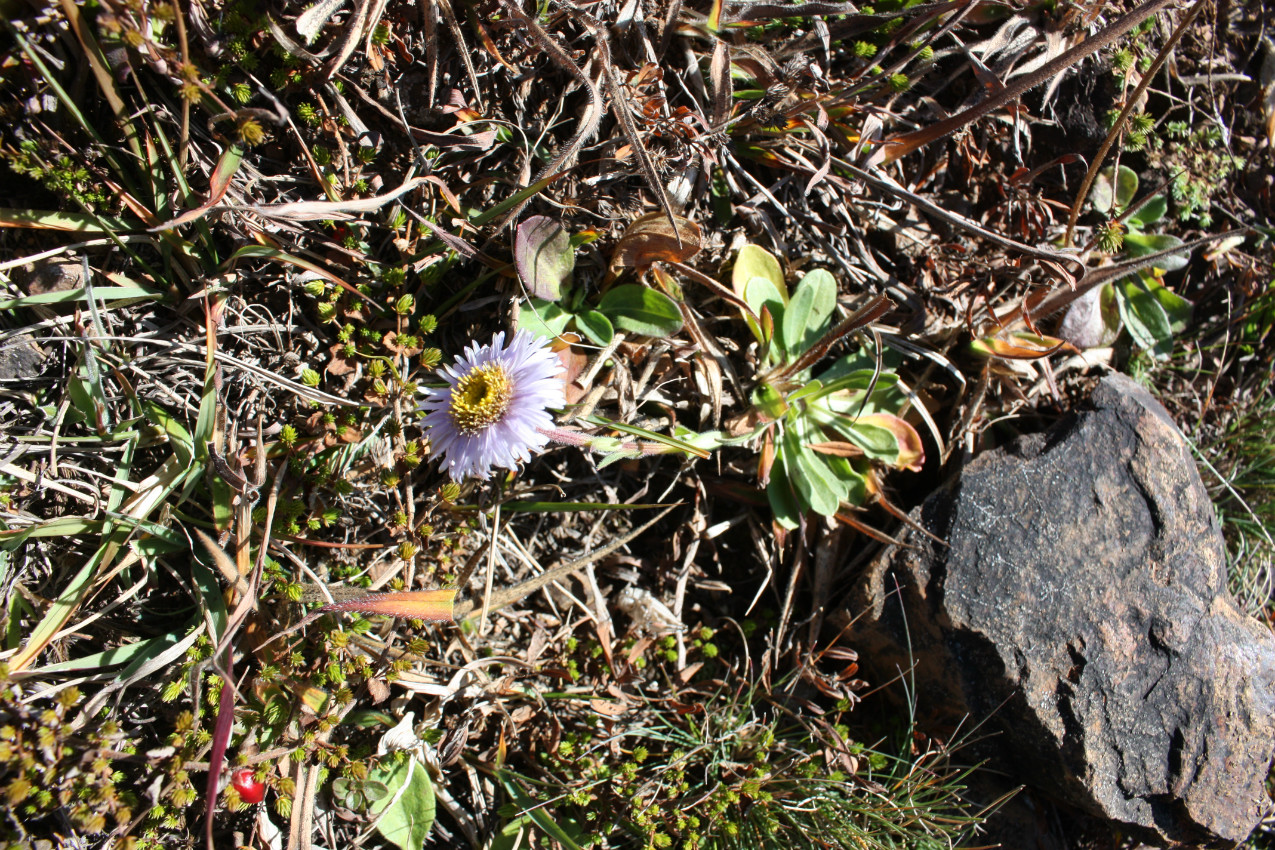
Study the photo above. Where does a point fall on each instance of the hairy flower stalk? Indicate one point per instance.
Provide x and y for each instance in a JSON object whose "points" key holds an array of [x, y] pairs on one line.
{"points": [[494, 411]]}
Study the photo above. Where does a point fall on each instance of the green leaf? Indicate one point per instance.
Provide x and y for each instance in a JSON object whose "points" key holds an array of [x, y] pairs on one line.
{"points": [[112, 296], [813, 482], [595, 326], [1141, 244], [544, 257], [137, 651], [1151, 312], [1146, 320], [527, 807], [543, 318], [1112, 191], [563, 507], [782, 500], [178, 437], [406, 812], [757, 278], [876, 442], [754, 262], [637, 309], [1149, 213], [808, 315], [674, 443]]}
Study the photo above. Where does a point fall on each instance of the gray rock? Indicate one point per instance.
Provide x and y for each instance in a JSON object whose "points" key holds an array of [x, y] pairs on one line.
{"points": [[1081, 603], [53, 276], [20, 358]]}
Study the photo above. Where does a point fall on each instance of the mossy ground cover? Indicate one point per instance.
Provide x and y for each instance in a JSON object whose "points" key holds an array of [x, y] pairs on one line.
{"points": [[794, 262]]}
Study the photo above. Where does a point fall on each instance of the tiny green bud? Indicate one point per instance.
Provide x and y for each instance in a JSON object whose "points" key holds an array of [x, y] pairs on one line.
{"points": [[405, 305]]}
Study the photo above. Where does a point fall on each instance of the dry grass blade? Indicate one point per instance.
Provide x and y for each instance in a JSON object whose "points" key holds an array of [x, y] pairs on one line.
{"points": [[589, 120], [1118, 127], [622, 110], [900, 146]]}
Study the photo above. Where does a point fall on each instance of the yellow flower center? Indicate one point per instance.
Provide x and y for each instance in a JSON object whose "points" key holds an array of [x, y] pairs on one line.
{"points": [[480, 398]]}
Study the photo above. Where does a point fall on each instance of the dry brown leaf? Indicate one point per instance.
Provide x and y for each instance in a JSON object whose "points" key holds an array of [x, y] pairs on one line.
{"points": [[651, 239]]}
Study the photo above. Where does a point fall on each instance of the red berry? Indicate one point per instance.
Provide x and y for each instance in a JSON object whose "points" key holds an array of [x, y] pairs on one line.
{"points": [[250, 790]]}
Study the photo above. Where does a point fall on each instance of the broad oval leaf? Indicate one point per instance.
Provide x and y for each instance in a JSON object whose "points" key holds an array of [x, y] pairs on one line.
{"points": [[543, 318], [910, 450], [808, 314], [651, 238], [595, 326], [544, 257], [1151, 312], [1112, 190], [637, 309], [1142, 244], [1149, 213], [753, 262], [405, 815]]}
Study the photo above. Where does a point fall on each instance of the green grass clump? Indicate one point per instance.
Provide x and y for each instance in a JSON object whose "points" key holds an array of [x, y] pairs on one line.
{"points": [[727, 763]]}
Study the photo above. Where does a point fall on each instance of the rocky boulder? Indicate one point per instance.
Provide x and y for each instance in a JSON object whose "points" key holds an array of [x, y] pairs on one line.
{"points": [[1080, 603]]}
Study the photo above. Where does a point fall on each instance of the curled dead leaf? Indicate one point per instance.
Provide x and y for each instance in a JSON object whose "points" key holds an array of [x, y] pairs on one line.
{"points": [[651, 239]]}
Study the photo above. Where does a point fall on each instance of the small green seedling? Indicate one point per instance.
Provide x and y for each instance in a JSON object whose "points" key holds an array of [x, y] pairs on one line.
{"points": [[1139, 303], [821, 434], [545, 256]]}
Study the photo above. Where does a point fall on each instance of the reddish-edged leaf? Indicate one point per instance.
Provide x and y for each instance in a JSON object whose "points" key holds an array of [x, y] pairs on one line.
{"points": [[911, 451], [544, 257], [434, 606], [1019, 346]]}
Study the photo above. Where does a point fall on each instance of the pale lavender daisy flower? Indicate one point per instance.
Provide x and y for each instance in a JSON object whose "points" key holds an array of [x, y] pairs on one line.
{"points": [[493, 411]]}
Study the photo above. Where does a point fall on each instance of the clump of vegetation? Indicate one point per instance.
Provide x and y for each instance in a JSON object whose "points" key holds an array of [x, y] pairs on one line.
{"points": [[241, 592], [725, 761]]}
